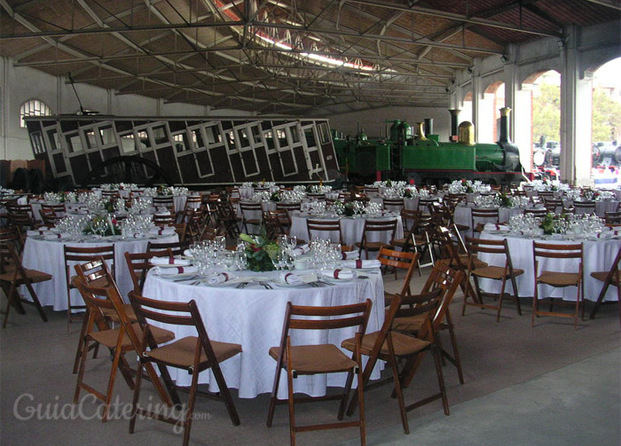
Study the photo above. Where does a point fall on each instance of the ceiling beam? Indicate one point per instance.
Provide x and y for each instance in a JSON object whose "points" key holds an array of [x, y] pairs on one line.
{"points": [[457, 17]]}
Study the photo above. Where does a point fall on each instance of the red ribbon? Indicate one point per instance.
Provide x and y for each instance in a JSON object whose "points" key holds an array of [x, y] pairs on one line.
{"points": [[336, 273], [359, 263], [180, 269]]}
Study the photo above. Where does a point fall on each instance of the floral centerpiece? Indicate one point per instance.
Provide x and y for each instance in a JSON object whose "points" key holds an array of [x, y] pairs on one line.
{"points": [[259, 251], [504, 200], [104, 226], [164, 191], [554, 223], [275, 197], [589, 194]]}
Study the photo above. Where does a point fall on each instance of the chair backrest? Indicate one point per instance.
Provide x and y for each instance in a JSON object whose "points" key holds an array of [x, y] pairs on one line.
{"points": [[164, 220], [614, 270], [488, 246], [139, 264], [193, 202], [584, 207], [613, 218], [409, 218], [331, 226], [536, 212], [402, 260], [171, 313], [275, 223], [10, 259], [393, 204], [83, 254], [557, 251], [484, 215], [552, 204], [326, 318], [448, 280], [95, 273], [378, 227], [177, 248]]}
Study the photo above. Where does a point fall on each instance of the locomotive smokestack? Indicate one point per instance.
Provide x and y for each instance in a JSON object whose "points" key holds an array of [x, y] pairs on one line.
{"points": [[428, 126], [454, 123], [504, 125]]}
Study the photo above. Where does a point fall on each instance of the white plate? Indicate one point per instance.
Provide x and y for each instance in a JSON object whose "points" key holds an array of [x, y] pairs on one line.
{"points": [[333, 280], [175, 277], [283, 284]]}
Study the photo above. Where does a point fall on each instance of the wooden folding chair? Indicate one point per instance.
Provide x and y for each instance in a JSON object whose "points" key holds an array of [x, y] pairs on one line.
{"points": [[96, 273], [373, 232], [320, 359], [177, 248], [167, 203], [76, 255], [610, 277], [393, 204], [447, 279], [572, 276], [331, 227], [536, 212], [584, 207], [399, 260], [139, 265], [252, 214], [391, 346], [13, 275], [119, 340], [480, 216], [613, 218], [499, 249], [192, 353]]}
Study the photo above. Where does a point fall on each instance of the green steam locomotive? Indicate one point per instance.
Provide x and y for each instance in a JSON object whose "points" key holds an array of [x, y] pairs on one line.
{"points": [[425, 160]]}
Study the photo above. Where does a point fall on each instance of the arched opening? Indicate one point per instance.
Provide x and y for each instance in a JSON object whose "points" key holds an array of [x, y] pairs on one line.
{"points": [[493, 101], [606, 124], [545, 94], [33, 107], [466, 109]]}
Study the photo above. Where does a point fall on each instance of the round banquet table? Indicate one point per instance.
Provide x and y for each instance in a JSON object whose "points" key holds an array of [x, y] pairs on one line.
{"points": [[598, 255], [253, 317], [48, 256], [351, 227], [463, 215]]}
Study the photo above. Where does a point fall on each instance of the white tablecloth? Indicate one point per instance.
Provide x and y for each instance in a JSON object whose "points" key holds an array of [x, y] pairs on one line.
{"points": [[463, 215], [48, 256], [253, 317], [598, 256], [351, 228]]}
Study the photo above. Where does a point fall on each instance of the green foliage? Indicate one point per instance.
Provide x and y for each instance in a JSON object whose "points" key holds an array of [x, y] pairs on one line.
{"points": [[547, 113], [259, 251], [606, 120]]}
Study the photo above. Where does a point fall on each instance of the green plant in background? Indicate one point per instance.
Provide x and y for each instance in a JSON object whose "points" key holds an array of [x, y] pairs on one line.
{"points": [[275, 197], [551, 223], [259, 251], [504, 200]]}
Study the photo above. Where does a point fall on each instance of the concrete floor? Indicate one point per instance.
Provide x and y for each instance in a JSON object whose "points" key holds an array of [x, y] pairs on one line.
{"points": [[574, 405], [551, 384]]}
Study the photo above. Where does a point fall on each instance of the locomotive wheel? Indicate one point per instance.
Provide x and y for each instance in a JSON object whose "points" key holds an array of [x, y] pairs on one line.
{"points": [[127, 169]]}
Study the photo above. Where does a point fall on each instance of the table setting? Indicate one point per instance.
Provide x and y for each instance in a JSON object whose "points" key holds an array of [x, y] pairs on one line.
{"points": [[247, 306]]}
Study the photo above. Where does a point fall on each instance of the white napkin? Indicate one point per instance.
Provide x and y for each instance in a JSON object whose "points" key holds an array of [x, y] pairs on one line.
{"points": [[495, 227], [42, 230], [175, 270], [291, 279], [357, 264], [169, 261], [302, 249], [161, 231], [339, 273], [54, 236], [351, 255], [220, 278]]}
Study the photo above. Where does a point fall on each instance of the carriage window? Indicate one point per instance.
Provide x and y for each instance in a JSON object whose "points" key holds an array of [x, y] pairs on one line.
{"points": [[33, 107]]}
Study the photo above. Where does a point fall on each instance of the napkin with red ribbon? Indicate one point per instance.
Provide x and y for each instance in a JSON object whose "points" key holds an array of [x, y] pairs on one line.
{"points": [[357, 264], [339, 273]]}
